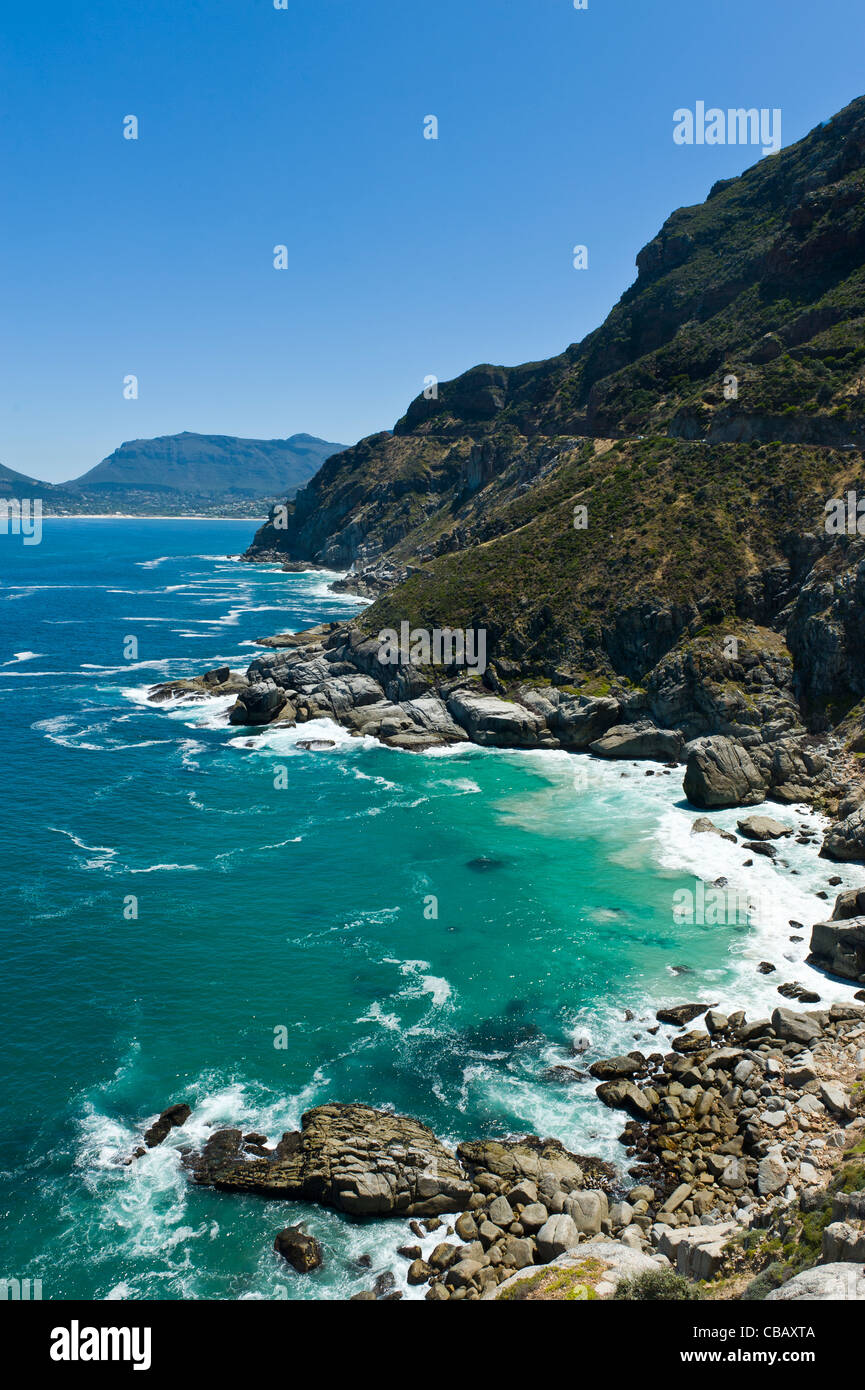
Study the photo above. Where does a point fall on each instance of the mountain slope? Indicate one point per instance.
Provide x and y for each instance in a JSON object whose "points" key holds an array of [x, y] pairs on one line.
{"points": [[716, 516], [765, 281], [14, 484]]}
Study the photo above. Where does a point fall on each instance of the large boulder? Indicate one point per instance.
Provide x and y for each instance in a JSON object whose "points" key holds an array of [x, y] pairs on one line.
{"points": [[495, 723], [839, 947], [588, 1210], [643, 740], [794, 1027], [763, 828], [624, 1095], [363, 1161], [721, 772], [833, 1282], [845, 840], [613, 1068], [850, 903], [302, 1251], [697, 1251], [558, 1234]]}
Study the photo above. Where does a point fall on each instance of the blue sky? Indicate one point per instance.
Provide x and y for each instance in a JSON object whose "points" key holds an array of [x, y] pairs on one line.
{"points": [[304, 126]]}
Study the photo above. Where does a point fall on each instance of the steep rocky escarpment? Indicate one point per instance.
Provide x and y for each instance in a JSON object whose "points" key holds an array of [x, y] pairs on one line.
{"points": [[763, 283], [620, 526]]}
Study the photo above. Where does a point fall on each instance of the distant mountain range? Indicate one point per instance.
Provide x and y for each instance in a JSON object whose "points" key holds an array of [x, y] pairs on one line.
{"points": [[182, 474]]}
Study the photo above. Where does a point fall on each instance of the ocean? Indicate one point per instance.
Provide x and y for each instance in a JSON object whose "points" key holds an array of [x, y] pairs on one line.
{"points": [[195, 914]]}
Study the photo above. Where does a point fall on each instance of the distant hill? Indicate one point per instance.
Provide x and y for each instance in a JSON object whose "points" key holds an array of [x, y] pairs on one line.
{"points": [[184, 473]]}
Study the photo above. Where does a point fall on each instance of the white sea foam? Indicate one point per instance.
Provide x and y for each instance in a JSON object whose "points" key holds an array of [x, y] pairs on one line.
{"points": [[20, 657]]}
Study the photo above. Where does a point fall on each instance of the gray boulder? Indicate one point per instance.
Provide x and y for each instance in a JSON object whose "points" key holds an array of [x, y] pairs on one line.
{"points": [[257, 704], [639, 741], [763, 828], [844, 1242], [588, 1210], [721, 772], [850, 903], [696, 1251], [558, 1234], [493, 722], [827, 1282], [845, 840], [839, 947], [795, 1027]]}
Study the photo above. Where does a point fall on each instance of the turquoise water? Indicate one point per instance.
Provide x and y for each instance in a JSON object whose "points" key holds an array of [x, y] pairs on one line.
{"points": [[296, 905]]}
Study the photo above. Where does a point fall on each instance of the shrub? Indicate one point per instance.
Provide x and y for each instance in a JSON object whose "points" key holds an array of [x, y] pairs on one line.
{"points": [[771, 1278], [656, 1286]]}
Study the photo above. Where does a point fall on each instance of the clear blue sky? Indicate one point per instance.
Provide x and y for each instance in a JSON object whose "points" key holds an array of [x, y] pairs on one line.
{"points": [[304, 126]]}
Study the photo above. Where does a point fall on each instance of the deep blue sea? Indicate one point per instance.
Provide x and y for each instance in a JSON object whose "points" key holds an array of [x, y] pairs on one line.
{"points": [[177, 900]]}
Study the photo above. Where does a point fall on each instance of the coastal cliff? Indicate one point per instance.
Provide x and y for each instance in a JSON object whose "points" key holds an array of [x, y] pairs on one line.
{"points": [[645, 517]]}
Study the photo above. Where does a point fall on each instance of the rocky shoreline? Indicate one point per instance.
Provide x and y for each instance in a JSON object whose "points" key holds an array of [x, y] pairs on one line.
{"points": [[748, 1176], [736, 749], [741, 1137]]}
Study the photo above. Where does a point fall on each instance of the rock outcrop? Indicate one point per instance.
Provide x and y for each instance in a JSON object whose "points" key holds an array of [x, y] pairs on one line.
{"points": [[359, 1160]]}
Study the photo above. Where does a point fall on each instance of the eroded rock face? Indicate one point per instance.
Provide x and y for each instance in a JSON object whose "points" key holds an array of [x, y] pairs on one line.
{"points": [[362, 1161], [721, 772]]}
